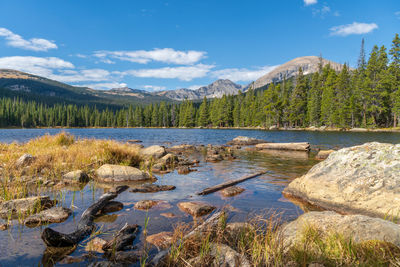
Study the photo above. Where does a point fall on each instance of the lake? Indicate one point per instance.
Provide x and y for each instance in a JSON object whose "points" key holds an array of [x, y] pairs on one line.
{"points": [[23, 246]]}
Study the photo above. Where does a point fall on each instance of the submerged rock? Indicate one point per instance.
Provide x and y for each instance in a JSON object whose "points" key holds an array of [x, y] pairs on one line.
{"points": [[231, 191], [323, 154], [96, 245], [362, 179], [145, 204], [24, 160], [151, 188], [119, 173], [27, 205], [359, 228], [245, 141], [195, 208], [168, 215], [52, 215], [161, 240], [154, 152], [185, 169], [76, 177]]}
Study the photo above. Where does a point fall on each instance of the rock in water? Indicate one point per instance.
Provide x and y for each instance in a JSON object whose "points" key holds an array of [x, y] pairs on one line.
{"points": [[145, 204], [245, 141], [96, 245], [119, 173], [27, 205], [363, 179], [52, 215], [196, 209], [151, 188], [154, 152], [323, 154], [161, 240], [231, 191], [357, 227], [76, 177]]}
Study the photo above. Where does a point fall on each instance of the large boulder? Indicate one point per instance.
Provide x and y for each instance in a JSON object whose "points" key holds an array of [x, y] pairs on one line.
{"points": [[359, 228], [78, 176], [245, 141], [119, 173], [29, 205], [52, 215], [196, 208], [154, 152], [363, 179]]}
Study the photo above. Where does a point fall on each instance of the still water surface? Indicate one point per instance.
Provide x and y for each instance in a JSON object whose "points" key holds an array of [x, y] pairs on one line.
{"points": [[22, 246]]}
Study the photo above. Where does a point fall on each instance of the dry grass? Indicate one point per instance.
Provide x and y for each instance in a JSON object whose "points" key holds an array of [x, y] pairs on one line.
{"points": [[56, 155], [262, 244]]}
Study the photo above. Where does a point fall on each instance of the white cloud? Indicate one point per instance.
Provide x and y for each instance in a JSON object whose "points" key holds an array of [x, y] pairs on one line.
{"points": [[354, 28], [165, 55], [310, 2], [153, 87], [243, 74], [324, 10], [184, 73], [103, 86], [53, 68], [34, 44]]}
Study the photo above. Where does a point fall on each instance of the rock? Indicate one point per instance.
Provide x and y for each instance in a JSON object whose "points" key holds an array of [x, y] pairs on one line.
{"points": [[112, 206], [362, 179], [125, 257], [29, 205], [159, 168], [134, 141], [231, 191], [119, 173], [52, 215], [161, 240], [168, 159], [70, 260], [3, 227], [145, 204], [195, 209], [214, 158], [185, 170], [76, 177], [302, 146], [323, 154], [358, 130], [151, 188], [182, 148], [359, 228], [237, 228], [222, 255], [245, 141], [273, 127], [24, 160], [154, 152], [96, 245], [168, 215]]}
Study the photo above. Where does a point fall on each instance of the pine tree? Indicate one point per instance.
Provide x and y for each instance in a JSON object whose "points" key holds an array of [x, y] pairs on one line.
{"points": [[298, 100], [203, 113]]}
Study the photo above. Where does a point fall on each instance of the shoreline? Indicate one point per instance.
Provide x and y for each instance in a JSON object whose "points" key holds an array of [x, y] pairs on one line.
{"points": [[307, 129]]}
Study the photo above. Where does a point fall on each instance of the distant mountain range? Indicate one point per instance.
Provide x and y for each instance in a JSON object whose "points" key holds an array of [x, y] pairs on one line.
{"points": [[16, 83]]}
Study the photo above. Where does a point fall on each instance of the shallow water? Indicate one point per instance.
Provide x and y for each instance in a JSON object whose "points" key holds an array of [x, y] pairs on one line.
{"points": [[23, 246]]}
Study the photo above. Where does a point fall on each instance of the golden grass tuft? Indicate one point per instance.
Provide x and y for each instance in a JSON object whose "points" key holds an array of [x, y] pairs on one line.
{"points": [[56, 155]]}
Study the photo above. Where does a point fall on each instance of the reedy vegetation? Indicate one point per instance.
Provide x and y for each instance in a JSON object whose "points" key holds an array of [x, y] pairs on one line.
{"points": [[368, 96]]}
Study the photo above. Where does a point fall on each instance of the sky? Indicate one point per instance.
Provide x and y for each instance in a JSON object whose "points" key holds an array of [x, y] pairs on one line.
{"points": [[165, 45]]}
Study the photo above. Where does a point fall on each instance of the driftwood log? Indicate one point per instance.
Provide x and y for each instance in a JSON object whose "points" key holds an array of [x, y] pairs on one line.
{"points": [[122, 240], [208, 225], [229, 183], [85, 226], [304, 146]]}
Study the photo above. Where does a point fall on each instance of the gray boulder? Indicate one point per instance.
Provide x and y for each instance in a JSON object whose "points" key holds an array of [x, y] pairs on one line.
{"points": [[154, 152], [119, 173], [52, 215], [24, 160], [359, 228], [76, 177], [245, 141], [363, 179], [27, 205]]}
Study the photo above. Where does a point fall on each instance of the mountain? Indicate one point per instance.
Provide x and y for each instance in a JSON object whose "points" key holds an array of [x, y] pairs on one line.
{"points": [[33, 87], [309, 64], [214, 90]]}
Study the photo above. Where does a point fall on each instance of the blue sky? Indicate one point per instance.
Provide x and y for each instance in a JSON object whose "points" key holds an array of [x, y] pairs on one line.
{"points": [[162, 45]]}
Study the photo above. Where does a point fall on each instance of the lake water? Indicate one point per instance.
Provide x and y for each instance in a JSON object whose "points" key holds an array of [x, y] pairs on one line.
{"points": [[23, 246]]}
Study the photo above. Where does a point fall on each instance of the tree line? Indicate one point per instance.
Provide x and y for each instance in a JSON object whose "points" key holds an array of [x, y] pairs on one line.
{"points": [[368, 96]]}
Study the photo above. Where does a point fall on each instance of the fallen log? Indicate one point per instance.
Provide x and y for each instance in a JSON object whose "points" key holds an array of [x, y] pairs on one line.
{"points": [[85, 226], [122, 240], [208, 225], [218, 187], [303, 146]]}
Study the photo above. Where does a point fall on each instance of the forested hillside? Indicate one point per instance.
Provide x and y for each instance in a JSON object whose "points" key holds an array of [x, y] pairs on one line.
{"points": [[368, 96]]}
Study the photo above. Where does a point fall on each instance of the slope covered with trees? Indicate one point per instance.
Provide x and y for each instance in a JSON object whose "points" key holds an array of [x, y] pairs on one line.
{"points": [[368, 96]]}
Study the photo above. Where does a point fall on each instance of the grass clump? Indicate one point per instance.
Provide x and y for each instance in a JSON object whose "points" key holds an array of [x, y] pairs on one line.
{"points": [[261, 242], [54, 156]]}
